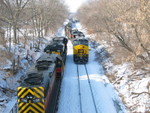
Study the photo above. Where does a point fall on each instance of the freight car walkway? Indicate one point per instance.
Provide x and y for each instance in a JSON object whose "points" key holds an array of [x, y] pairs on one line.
{"points": [[106, 99]]}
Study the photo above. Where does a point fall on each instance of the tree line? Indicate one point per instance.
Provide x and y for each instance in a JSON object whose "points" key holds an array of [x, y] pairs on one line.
{"points": [[34, 17], [125, 24]]}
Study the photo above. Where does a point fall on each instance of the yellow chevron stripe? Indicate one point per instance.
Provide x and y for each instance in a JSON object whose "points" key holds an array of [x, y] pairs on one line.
{"points": [[41, 93], [41, 88], [42, 105], [36, 95], [23, 107], [43, 100], [30, 91], [22, 90], [18, 100], [20, 104], [41, 110], [30, 108], [19, 88]]}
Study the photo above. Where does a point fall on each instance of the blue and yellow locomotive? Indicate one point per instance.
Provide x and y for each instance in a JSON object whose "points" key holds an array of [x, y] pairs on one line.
{"points": [[80, 50]]}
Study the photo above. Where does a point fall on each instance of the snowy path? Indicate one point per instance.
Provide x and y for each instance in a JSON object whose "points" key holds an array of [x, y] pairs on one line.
{"points": [[69, 88], [105, 97]]}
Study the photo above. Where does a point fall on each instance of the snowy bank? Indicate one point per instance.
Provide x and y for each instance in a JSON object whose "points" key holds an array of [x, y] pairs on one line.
{"points": [[132, 85]]}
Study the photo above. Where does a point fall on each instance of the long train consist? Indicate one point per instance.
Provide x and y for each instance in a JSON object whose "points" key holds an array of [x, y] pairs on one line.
{"points": [[80, 44], [39, 91]]}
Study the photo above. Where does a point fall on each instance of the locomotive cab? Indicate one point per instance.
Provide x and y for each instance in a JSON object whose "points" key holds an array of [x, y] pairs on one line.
{"points": [[61, 39], [80, 50], [34, 93], [55, 48]]}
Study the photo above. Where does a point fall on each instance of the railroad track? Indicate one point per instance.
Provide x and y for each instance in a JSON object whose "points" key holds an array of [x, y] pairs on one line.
{"points": [[82, 72]]}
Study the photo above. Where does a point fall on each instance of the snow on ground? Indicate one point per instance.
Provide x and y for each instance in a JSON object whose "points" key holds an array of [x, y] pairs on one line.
{"points": [[105, 96], [9, 81], [107, 101], [132, 85]]}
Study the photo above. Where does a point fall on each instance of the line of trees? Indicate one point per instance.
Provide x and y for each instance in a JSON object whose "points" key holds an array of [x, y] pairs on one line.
{"points": [[125, 24], [37, 17]]}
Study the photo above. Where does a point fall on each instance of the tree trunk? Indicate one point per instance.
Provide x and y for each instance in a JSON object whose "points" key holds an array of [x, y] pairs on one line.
{"points": [[46, 31], [9, 29], [15, 34]]}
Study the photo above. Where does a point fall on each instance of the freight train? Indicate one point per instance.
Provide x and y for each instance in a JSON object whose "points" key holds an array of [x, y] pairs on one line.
{"points": [[39, 91], [80, 44]]}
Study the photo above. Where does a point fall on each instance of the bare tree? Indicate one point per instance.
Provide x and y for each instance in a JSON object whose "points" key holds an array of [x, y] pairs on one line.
{"points": [[124, 20], [12, 16], [126, 25], [40, 16], [47, 15]]}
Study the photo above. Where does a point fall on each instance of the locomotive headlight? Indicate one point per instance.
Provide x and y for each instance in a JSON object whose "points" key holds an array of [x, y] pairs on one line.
{"points": [[29, 97]]}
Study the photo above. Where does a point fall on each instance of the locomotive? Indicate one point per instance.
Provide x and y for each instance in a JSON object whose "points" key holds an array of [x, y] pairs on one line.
{"points": [[58, 45], [38, 89], [63, 40], [80, 50], [76, 34]]}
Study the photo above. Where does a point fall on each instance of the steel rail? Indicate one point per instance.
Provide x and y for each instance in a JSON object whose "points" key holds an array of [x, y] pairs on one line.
{"points": [[79, 89], [91, 88]]}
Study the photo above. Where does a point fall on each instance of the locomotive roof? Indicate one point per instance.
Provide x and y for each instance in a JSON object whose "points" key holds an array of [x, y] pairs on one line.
{"points": [[78, 33], [49, 57], [80, 38], [54, 46], [60, 39], [45, 62], [34, 71], [56, 43], [36, 77]]}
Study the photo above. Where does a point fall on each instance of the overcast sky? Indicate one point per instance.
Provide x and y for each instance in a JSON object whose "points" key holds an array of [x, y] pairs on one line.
{"points": [[74, 4]]}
